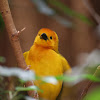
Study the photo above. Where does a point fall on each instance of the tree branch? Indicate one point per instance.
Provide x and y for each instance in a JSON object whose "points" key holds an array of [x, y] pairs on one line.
{"points": [[12, 32], [13, 36], [84, 92]]}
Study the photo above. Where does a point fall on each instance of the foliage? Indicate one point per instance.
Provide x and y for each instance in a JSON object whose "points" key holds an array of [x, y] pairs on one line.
{"points": [[43, 7], [2, 59], [69, 11], [4, 92], [2, 25], [93, 95], [20, 91]]}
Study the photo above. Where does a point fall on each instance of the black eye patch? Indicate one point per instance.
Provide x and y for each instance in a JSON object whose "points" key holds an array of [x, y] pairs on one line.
{"points": [[50, 37]]}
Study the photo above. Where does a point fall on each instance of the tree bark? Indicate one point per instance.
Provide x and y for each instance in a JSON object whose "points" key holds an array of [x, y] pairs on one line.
{"points": [[13, 33], [14, 38]]}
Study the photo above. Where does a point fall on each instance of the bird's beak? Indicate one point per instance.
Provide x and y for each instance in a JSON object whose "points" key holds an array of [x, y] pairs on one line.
{"points": [[44, 36]]}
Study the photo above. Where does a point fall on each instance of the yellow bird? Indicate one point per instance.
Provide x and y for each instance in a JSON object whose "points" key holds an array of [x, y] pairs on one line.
{"points": [[45, 60]]}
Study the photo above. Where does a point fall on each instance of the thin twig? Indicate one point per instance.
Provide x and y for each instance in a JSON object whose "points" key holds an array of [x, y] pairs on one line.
{"points": [[84, 92], [13, 35], [19, 32], [91, 10]]}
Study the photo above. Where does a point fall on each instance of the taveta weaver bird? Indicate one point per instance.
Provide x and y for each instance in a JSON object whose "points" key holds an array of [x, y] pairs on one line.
{"points": [[45, 59]]}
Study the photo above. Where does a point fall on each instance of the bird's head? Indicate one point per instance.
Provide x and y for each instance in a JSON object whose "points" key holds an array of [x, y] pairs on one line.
{"points": [[47, 38]]}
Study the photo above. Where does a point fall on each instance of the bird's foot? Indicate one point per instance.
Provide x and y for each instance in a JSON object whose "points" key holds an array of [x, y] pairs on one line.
{"points": [[28, 67]]}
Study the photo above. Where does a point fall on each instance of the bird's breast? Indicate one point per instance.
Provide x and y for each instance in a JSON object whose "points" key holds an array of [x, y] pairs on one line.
{"points": [[46, 63]]}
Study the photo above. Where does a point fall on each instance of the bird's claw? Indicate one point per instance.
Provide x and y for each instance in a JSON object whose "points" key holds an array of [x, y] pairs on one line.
{"points": [[28, 67]]}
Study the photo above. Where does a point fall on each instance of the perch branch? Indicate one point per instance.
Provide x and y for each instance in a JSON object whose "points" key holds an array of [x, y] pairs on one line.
{"points": [[84, 92], [12, 32], [13, 36]]}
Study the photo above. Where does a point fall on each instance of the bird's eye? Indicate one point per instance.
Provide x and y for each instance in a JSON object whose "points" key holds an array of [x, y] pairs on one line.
{"points": [[50, 37]]}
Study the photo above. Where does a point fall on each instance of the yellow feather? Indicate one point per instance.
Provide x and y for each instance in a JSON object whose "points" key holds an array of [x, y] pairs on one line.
{"points": [[45, 60]]}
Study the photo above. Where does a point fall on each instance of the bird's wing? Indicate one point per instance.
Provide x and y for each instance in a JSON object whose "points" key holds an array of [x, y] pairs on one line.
{"points": [[25, 54], [65, 64]]}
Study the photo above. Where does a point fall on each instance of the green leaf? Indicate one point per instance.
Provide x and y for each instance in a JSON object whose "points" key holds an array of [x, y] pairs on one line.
{"points": [[75, 78], [2, 59], [93, 95], [91, 77], [28, 88], [2, 25], [66, 78], [69, 11], [2, 91]]}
